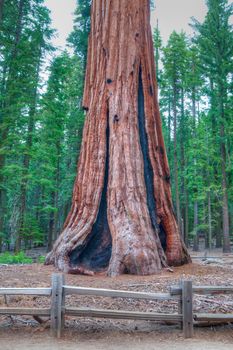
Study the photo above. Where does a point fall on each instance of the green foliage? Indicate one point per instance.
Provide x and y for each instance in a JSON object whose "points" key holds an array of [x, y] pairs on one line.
{"points": [[79, 36], [196, 83], [20, 258], [41, 259], [31, 231], [60, 137], [40, 126], [214, 38], [158, 47]]}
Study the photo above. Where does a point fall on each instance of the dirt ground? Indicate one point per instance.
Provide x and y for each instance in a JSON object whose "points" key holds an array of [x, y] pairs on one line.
{"points": [[22, 333], [110, 341]]}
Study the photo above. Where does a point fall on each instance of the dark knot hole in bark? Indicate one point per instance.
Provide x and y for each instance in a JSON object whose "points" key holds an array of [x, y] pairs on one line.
{"points": [[96, 253], [148, 170], [151, 90]]}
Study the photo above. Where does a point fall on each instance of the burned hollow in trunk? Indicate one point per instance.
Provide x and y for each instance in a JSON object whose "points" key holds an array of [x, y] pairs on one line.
{"points": [[96, 252], [148, 170]]}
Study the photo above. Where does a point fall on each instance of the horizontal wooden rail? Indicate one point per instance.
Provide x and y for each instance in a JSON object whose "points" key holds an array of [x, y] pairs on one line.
{"points": [[214, 317], [212, 257], [120, 314], [26, 291], [118, 293], [177, 290], [24, 311]]}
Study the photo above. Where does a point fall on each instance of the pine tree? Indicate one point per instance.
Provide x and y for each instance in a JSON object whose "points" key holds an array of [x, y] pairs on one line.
{"points": [[215, 37], [1, 11], [175, 67], [79, 36], [23, 46], [10, 38], [40, 37], [157, 40], [61, 122], [193, 86]]}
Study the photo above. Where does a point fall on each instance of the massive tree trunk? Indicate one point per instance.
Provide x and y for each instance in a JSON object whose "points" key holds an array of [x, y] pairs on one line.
{"points": [[122, 219]]}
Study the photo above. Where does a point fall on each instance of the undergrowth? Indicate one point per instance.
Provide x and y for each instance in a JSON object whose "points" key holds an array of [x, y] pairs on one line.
{"points": [[19, 258]]}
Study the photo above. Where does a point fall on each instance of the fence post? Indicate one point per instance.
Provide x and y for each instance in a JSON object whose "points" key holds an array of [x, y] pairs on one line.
{"points": [[187, 308], [180, 304], [57, 304]]}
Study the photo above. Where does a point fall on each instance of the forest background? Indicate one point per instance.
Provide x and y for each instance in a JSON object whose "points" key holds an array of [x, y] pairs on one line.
{"points": [[41, 121]]}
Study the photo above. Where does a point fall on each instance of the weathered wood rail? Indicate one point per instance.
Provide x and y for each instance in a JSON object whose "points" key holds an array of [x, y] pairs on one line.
{"points": [[183, 294]]}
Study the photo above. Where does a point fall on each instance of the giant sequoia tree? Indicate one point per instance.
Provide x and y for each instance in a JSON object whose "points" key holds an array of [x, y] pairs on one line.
{"points": [[121, 219]]}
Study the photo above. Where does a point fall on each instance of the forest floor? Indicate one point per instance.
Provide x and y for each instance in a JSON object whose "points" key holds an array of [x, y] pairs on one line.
{"points": [[22, 333]]}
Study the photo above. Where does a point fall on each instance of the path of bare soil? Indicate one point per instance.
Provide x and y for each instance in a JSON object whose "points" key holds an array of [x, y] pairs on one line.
{"points": [[22, 333]]}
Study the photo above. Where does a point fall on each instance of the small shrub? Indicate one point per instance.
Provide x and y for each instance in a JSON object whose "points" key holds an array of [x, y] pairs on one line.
{"points": [[20, 258], [41, 259]]}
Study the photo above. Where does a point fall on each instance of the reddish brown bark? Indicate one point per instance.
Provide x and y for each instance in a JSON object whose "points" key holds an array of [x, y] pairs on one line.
{"points": [[122, 200]]}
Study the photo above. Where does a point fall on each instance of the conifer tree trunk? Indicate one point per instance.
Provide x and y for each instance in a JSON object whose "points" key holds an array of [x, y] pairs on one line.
{"points": [[53, 217], [195, 227], [174, 106], [225, 211], [182, 165], [209, 221], [195, 211], [122, 218], [1, 11]]}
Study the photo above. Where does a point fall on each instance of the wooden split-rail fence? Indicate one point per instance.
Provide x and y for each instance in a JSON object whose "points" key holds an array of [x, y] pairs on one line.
{"points": [[58, 309]]}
